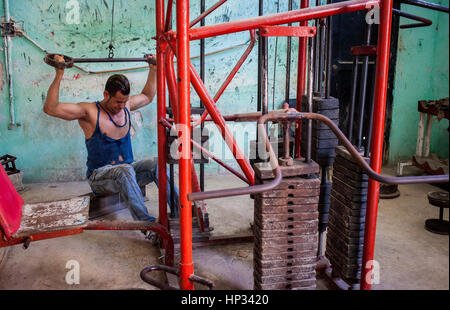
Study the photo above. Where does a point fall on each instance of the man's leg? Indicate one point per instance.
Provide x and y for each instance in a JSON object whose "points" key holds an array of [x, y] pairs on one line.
{"points": [[121, 179], [147, 172]]}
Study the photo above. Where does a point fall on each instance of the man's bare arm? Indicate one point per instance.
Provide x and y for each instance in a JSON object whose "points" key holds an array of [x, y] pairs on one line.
{"points": [[148, 92], [64, 110]]}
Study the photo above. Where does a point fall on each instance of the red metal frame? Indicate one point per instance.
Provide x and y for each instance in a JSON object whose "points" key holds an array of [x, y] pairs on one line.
{"points": [[182, 104], [376, 154], [363, 50], [287, 31], [166, 238]]}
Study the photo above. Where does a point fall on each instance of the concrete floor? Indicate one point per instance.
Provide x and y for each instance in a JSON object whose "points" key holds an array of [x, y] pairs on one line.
{"points": [[409, 256]]}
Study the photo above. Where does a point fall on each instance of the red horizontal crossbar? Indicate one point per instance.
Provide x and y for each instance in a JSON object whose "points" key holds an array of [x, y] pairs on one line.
{"points": [[288, 31], [363, 50]]}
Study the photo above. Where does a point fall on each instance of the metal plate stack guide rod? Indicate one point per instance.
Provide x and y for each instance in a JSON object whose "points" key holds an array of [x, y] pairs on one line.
{"points": [[318, 141]]}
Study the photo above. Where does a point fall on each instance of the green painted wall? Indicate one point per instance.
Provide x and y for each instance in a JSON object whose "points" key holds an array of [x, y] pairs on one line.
{"points": [[51, 149], [421, 74]]}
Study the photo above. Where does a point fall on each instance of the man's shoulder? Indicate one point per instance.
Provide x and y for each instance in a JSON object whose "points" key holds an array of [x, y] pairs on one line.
{"points": [[88, 106]]}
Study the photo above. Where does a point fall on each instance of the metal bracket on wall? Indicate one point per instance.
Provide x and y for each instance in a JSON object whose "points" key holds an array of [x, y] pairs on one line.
{"points": [[10, 29]]}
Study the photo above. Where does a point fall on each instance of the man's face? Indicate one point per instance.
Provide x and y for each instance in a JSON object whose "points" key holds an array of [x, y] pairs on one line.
{"points": [[117, 102]]}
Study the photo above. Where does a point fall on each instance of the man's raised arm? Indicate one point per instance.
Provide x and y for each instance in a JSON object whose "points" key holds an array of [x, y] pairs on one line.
{"points": [[149, 90], [64, 110]]}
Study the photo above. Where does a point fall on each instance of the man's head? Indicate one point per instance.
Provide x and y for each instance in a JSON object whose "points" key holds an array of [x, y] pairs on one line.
{"points": [[117, 92]]}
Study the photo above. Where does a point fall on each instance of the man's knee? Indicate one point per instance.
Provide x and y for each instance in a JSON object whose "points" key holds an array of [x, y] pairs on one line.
{"points": [[123, 171]]}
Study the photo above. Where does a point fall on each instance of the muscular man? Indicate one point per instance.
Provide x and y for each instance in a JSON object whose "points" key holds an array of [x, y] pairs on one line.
{"points": [[106, 125]]}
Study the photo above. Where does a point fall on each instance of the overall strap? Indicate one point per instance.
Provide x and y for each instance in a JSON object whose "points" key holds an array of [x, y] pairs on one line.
{"points": [[97, 103]]}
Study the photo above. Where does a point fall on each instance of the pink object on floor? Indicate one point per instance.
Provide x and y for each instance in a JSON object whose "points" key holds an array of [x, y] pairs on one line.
{"points": [[10, 205]]}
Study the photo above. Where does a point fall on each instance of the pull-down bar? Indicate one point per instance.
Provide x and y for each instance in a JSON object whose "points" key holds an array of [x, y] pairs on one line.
{"points": [[69, 61]]}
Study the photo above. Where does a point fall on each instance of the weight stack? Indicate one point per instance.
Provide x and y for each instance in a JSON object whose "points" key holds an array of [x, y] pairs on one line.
{"points": [[324, 141], [285, 228], [323, 147], [345, 234]]}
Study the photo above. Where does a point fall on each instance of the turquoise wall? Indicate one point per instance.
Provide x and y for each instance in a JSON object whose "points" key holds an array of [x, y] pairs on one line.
{"points": [[50, 149], [421, 74]]}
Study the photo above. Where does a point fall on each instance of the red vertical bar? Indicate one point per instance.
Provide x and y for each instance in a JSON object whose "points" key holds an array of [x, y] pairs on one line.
{"points": [[161, 112], [184, 109], [384, 41], [301, 78]]}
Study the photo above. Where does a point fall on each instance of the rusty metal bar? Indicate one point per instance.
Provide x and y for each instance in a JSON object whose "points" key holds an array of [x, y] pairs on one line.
{"points": [[273, 161]]}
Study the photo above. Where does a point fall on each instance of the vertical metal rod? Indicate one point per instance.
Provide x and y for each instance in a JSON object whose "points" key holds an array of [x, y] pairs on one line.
{"points": [[315, 60], [260, 56], [288, 61], [353, 98], [161, 113], [321, 56], [202, 76], [376, 155], [287, 152], [310, 97], [301, 78], [324, 180], [372, 106], [363, 88], [260, 82], [329, 55], [8, 67], [265, 79], [184, 136]]}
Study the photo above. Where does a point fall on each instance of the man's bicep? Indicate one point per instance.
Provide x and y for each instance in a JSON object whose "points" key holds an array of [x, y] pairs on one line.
{"points": [[71, 111], [138, 101]]}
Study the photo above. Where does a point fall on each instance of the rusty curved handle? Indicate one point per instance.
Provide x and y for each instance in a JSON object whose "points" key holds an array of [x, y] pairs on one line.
{"points": [[193, 278], [161, 286], [355, 154]]}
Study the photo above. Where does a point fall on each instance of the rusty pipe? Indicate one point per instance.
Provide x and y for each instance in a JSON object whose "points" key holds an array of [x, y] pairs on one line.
{"points": [[355, 154], [273, 161]]}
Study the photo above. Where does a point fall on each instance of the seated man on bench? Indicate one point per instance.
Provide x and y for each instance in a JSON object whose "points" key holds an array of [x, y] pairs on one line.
{"points": [[106, 125]]}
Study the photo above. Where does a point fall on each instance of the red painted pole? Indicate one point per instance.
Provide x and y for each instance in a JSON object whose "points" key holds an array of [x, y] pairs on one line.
{"points": [[301, 78], [384, 40], [161, 113], [184, 109]]}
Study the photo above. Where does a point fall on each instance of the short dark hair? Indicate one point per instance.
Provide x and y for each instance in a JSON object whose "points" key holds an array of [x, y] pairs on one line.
{"points": [[117, 82]]}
